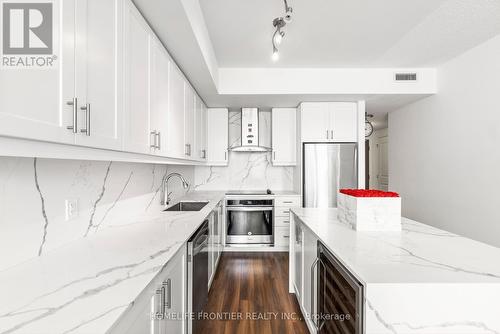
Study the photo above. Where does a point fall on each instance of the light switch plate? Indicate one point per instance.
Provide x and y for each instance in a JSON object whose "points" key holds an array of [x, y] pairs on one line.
{"points": [[71, 209]]}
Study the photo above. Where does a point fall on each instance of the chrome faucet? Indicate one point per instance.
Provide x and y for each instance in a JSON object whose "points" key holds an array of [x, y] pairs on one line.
{"points": [[165, 195]]}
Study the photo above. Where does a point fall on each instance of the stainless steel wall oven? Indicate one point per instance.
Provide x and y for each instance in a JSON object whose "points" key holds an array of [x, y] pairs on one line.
{"points": [[249, 220]]}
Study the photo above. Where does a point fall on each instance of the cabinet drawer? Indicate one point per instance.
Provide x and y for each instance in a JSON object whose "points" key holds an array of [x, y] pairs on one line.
{"points": [[287, 201], [282, 221], [282, 212], [281, 236]]}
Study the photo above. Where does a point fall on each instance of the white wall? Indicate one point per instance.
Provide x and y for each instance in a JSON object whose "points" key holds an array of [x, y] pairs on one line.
{"points": [[33, 194], [444, 151]]}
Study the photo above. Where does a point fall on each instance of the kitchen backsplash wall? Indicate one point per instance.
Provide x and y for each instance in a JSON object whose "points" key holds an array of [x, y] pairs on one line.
{"points": [[246, 171], [108, 194]]}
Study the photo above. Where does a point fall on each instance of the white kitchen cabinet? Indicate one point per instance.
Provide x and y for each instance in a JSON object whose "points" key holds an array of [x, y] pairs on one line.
{"points": [[217, 124], [175, 133], [99, 27], [148, 314], [78, 101], [310, 249], [137, 86], [160, 66], [200, 150], [329, 122], [189, 121], [284, 138]]}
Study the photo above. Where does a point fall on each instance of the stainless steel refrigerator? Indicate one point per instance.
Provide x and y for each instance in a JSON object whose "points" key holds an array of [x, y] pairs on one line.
{"points": [[328, 167]]}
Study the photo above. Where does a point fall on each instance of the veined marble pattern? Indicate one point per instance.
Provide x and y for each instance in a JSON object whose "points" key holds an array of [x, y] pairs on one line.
{"points": [[418, 280], [86, 285], [33, 194], [248, 171]]}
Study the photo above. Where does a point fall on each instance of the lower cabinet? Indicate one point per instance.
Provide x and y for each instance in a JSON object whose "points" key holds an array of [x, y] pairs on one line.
{"points": [[303, 254], [161, 307], [214, 242]]}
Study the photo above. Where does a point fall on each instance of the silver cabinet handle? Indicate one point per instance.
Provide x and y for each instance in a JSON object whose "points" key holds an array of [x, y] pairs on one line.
{"points": [[327, 135], [288, 202], [86, 108], [203, 154], [168, 298], [188, 150], [286, 236], [158, 137], [274, 155], [159, 314], [331, 136], [74, 104], [154, 134], [225, 155]]}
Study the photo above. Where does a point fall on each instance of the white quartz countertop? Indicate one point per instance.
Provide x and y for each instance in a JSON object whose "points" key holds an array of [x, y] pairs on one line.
{"points": [[85, 286], [418, 254]]}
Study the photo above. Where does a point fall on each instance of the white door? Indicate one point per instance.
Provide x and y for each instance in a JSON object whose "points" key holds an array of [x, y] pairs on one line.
{"points": [[383, 163], [99, 72], [217, 140], [136, 135], [189, 121], [284, 136], [160, 63], [315, 121], [175, 133], [34, 102], [343, 122]]}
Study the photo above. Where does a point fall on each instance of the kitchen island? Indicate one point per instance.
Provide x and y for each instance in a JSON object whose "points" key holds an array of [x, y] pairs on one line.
{"points": [[419, 280]]}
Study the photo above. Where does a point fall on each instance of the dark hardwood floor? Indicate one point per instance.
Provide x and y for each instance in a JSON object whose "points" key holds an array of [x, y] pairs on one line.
{"points": [[250, 295]]}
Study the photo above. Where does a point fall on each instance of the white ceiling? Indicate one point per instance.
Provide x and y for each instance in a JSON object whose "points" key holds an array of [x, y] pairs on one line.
{"points": [[349, 33], [323, 34]]}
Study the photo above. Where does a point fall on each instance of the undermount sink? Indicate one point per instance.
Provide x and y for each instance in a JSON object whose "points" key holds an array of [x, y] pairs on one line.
{"points": [[187, 206]]}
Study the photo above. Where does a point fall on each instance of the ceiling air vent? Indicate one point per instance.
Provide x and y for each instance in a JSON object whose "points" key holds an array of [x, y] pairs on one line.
{"points": [[406, 77]]}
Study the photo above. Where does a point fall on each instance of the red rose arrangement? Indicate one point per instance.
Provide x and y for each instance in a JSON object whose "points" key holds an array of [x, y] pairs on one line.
{"points": [[368, 193]]}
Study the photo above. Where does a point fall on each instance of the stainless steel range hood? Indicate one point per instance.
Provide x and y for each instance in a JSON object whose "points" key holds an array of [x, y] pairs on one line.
{"points": [[250, 132]]}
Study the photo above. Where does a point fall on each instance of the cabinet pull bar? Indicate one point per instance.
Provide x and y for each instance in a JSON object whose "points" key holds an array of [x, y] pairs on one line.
{"points": [[158, 137], [74, 104], [86, 108], [168, 299]]}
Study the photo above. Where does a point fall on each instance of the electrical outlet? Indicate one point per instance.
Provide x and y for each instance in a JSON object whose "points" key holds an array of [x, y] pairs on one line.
{"points": [[71, 208]]}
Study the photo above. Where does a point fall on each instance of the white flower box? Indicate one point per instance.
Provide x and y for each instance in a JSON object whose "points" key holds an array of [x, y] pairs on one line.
{"points": [[370, 213]]}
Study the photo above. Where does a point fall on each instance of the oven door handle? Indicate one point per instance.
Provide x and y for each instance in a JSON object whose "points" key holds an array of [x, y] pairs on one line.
{"points": [[249, 208]]}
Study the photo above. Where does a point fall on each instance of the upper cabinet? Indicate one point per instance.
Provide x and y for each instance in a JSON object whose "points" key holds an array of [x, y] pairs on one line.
{"points": [[284, 126], [77, 100], [99, 27], [201, 130], [136, 54], [217, 140], [175, 133], [159, 99], [189, 121], [329, 122]]}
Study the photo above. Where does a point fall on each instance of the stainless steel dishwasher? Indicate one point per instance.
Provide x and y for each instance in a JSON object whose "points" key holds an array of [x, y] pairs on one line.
{"points": [[197, 276]]}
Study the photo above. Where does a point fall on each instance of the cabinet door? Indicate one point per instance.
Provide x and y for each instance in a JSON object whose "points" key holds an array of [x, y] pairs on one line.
{"points": [[211, 242], [189, 121], [200, 121], [175, 133], [310, 253], [175, 283], [298, 256], [98, 72], [315, 120], [160, 63], [284, 136], [136, 135], [217, 124], [33, 102], [344, 121]]}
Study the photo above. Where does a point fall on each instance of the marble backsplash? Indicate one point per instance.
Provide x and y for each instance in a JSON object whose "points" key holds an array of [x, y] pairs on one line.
{"points": [[108, 194], [246, 171]]}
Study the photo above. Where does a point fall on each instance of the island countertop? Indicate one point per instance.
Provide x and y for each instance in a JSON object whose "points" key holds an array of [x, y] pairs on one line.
{"points": [[418, 280], [86, 286]]}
